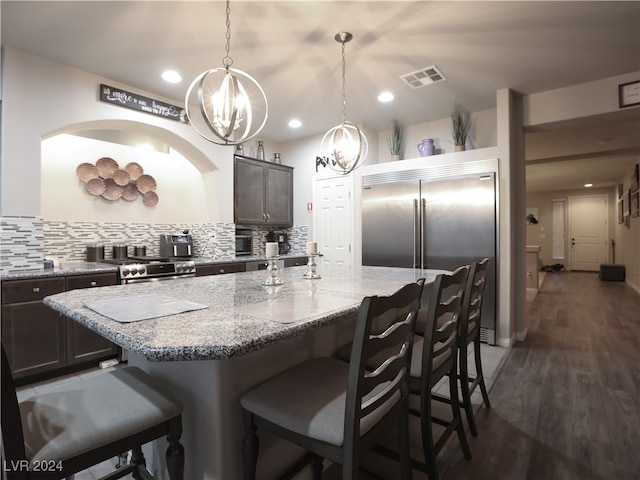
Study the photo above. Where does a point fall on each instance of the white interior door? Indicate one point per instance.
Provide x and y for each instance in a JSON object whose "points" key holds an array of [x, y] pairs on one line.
{"points": [[588, 232], [333, 223]]}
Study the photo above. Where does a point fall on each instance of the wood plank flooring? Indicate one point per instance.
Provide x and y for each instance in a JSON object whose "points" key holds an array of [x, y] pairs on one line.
{"points": [[566, 403]]}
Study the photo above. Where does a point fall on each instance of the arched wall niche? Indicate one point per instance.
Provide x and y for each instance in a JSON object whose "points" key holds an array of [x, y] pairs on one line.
{"points": [[190, 152]]}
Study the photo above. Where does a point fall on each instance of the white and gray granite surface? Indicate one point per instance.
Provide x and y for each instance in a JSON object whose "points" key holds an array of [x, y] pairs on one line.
{"points": [[242, 315]]}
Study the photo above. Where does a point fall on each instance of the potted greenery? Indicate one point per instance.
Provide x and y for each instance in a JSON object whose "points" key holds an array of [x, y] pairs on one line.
{"points": [[395, 140], [460, 127]]}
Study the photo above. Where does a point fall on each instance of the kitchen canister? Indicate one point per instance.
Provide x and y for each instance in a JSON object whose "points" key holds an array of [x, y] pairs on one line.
{"points": [[95, 253], [119, 251], [426, 148], [140, 251]]}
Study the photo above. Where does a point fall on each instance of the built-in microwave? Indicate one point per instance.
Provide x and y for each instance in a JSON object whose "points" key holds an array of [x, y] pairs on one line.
{"points": [[244, 242]]}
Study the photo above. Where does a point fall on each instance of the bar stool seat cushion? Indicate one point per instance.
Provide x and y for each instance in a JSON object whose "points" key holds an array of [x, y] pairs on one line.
{"points": [[80, 416], [309, 399]]}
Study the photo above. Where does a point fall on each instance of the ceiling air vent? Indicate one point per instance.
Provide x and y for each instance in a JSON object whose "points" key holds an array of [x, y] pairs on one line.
{"points": [[422, 77]]}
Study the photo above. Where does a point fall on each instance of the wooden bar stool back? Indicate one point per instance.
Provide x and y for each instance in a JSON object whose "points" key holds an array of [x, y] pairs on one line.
{"points": [[470, 334], [434, 357], [338, 410]]}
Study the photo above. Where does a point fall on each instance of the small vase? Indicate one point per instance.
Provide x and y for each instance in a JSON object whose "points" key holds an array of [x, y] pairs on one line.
{"points": [[426, 148], [260, 153], [395, 158], [460, 148]]}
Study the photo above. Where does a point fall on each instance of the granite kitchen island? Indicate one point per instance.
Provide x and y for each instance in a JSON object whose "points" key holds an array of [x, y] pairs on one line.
{"points": [[246, 333]]}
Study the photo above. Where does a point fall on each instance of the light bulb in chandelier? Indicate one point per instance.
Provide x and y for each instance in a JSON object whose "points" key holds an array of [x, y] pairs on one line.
{"points": [[222, 104], [345, 146]]}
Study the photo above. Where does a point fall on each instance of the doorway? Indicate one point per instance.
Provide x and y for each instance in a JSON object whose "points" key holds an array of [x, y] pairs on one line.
{"points": [[333, 223], [588, 232]]}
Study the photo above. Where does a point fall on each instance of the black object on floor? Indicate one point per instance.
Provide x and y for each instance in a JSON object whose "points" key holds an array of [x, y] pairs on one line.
{"points": [[612, 273]]}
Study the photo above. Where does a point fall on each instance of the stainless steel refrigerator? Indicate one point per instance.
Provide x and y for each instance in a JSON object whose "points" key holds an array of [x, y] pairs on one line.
{"points": [[433, 223]]}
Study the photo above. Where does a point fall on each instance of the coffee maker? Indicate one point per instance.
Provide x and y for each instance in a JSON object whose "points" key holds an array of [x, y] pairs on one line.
{"points": [[282, 239]]}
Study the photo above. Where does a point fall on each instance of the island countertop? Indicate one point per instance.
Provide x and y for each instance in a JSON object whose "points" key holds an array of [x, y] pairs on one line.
{"points": [[242, 315]]}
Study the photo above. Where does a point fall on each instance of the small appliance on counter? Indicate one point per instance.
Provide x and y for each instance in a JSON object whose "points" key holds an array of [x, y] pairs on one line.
{"points": [[282, 239], [244, 242], [180, 245]]}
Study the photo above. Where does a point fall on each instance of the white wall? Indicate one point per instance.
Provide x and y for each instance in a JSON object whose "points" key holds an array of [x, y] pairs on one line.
{"points": [[576, 101], [482, 135], [627, 239], [43, 98], [181, 188]]}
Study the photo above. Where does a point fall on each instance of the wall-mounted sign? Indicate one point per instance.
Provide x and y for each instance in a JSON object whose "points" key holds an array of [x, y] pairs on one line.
{"points": [[122, 98], [629, 94]]}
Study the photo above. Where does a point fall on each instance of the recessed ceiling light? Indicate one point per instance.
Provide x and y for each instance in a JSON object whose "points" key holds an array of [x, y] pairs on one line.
{"points": [[588, 185], [295, 123], [171, 76], [385, 97]]}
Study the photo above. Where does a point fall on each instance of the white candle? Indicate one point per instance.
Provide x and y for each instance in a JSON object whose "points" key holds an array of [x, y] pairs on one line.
{"points": [[312, 248], [272, 249]]}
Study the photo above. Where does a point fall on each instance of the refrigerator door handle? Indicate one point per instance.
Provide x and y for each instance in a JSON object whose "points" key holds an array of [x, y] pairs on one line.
{"points": [[423, 234], [415, 229]]}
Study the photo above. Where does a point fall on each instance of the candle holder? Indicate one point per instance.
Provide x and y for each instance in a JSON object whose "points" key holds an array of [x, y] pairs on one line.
{"points": [[311, 263], [272, 272]]}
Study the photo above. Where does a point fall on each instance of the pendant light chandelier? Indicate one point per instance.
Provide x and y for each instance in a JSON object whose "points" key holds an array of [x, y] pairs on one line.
{"points": [[225, 105], [344, 147]]}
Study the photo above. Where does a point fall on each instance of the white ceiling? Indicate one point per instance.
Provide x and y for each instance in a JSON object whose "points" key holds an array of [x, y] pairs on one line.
{"points": [[289, 48]]}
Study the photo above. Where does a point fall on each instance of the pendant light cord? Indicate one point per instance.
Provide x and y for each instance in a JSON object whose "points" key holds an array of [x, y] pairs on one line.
{"points": [[227, 61], [344, 96]]}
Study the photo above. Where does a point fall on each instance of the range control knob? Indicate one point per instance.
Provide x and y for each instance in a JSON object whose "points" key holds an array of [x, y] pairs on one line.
{"points": [[125, 272]]}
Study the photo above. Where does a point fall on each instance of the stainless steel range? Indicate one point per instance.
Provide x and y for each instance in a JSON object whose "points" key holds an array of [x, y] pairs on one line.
{"points": [[152, 269]]}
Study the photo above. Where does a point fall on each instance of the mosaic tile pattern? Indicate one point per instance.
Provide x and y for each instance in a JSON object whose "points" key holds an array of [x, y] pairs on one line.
{"points": [[21, 243], [68, 240], [27, 240]]}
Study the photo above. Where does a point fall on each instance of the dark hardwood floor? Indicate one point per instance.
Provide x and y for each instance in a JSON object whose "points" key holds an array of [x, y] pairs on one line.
{"points": [[566, 404]]}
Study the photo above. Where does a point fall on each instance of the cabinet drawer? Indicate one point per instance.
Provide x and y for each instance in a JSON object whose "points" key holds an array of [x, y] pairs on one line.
{"points": [[95, 280], [219, 268], [15, 291], [295, 262]]}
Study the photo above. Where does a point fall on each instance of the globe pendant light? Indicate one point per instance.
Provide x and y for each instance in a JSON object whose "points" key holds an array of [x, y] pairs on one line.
{"points": [[344, 147], [224, 104]]}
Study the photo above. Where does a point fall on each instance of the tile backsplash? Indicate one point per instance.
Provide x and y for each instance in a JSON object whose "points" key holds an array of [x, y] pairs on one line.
{"points": [[21, 243], [26, 241]]}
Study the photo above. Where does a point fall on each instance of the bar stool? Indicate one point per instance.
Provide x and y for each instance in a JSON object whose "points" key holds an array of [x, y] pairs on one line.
{"points": [[84, 423], [337, 410], [470, 333], [434, 357]]}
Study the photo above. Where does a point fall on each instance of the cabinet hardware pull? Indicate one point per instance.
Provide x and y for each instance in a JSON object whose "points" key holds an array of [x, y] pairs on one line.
{"points": [[36, 289], [93, 284]]}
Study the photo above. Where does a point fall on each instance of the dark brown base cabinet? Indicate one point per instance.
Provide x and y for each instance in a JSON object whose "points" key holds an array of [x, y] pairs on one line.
{"points": [[219, 269], [83, 345], [40, 342]]}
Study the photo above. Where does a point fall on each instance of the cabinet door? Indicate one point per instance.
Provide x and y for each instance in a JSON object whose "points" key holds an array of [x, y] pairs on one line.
{"points": [[33, 336], [279, 195], [84, 345], [249, 189]]}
